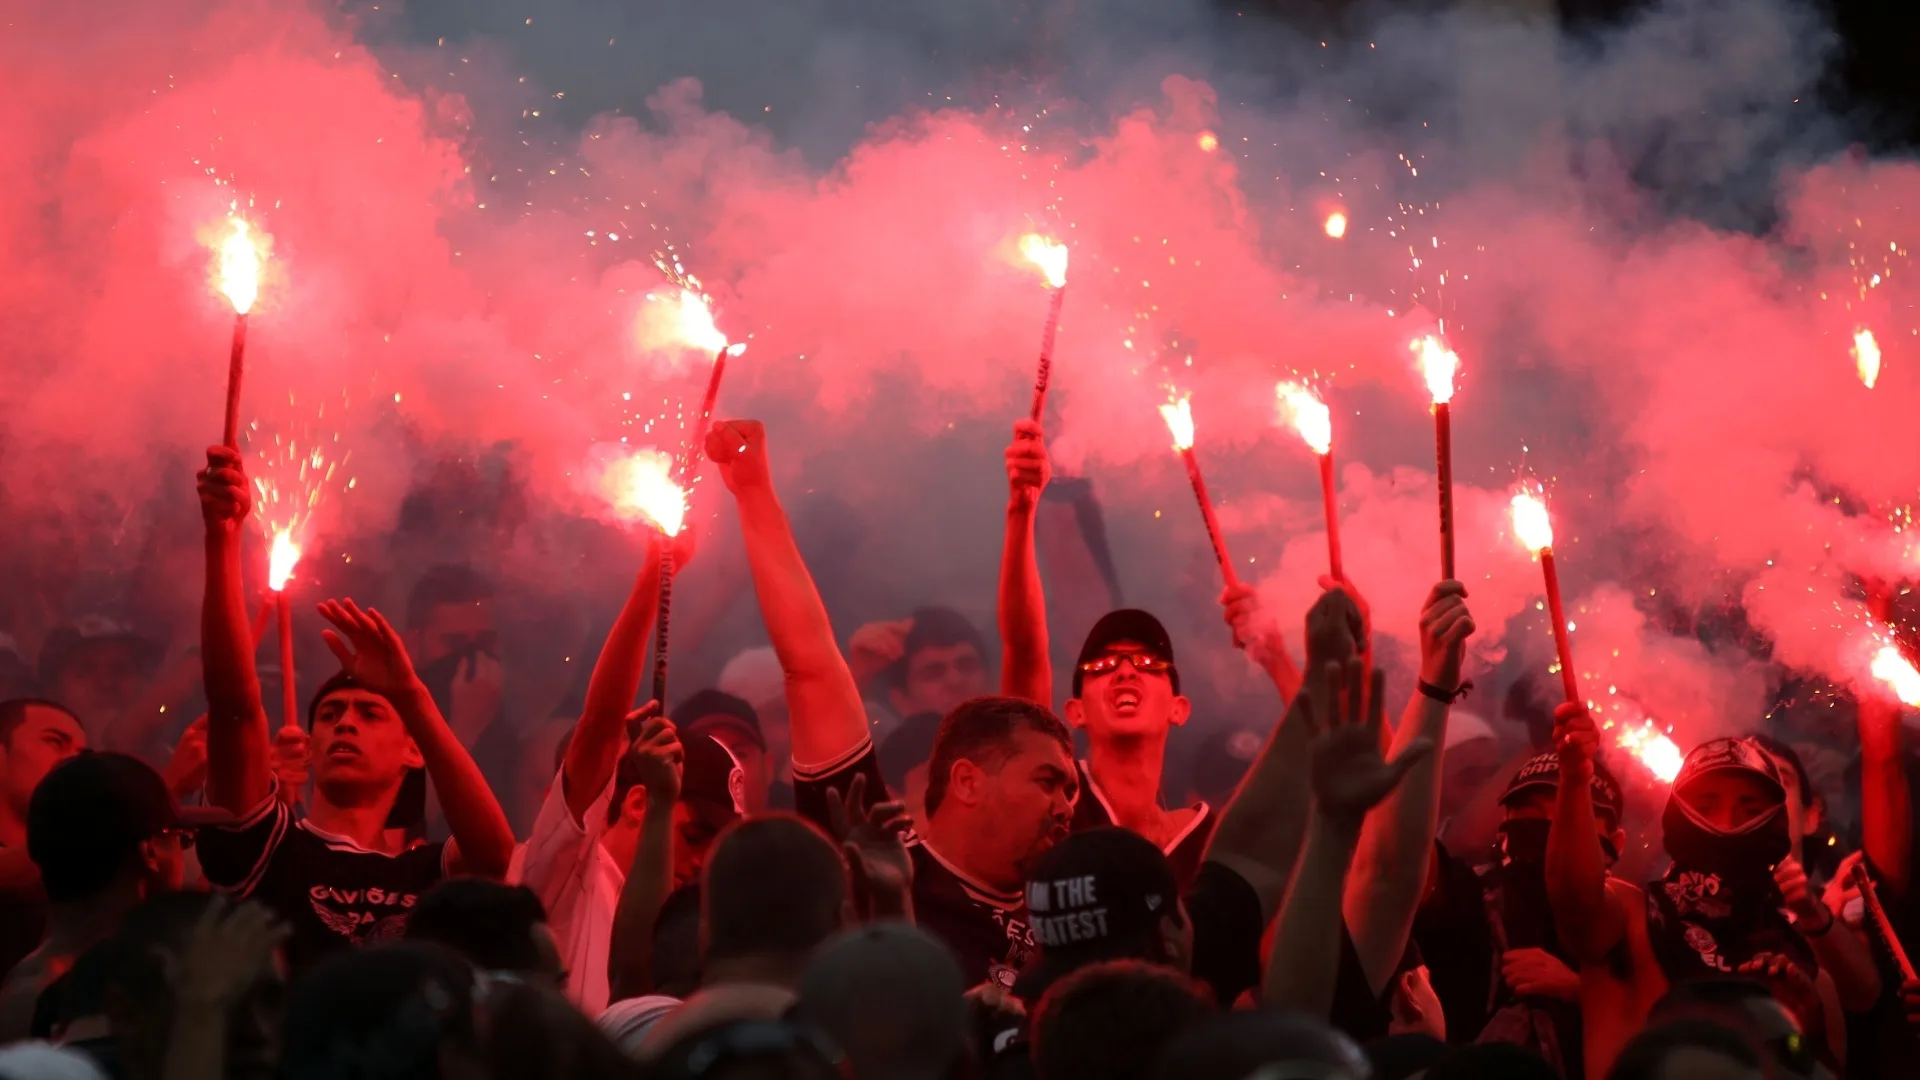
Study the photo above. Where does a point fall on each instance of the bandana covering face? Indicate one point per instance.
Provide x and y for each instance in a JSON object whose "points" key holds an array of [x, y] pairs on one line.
{"points": [[1718, 907]]}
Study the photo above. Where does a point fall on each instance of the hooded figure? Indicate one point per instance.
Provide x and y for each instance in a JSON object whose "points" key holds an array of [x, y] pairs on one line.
{"points": [[1725, 826]]}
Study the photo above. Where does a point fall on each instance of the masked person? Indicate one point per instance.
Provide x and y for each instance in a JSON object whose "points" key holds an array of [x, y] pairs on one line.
{"points": [[1487, 934], [1720, 908]]}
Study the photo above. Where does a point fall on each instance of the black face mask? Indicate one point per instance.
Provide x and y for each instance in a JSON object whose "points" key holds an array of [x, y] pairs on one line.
{"points": [[1524, 843], [1743, 858]]}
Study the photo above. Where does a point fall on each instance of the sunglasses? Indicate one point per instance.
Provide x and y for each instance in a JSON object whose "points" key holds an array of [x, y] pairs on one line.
{"points": [[1144, 663]]}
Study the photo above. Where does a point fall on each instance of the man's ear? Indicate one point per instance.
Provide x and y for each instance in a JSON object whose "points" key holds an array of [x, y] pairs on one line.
{"points": [[1619, 838], [1816, 816], [1076, 713], [634, 806], [1182, 709], [412, 758], [967, 783]]}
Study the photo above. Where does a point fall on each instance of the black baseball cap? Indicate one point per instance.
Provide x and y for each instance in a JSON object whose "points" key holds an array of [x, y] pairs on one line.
{"points": [[1731, 754], [1097, 895], [90, 814], [1127, 624], [1542, 773], [707, 709], [712, 781]]}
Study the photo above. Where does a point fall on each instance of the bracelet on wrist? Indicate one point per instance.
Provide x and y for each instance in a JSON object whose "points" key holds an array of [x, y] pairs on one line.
{"points": [[1445, 697]]}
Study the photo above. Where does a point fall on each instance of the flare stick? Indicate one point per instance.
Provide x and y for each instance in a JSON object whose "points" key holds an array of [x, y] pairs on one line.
{"points": [[1443, 447], [236, 363], [1559, 615], [1206, 514], [1046, 353], [1333, 517]]}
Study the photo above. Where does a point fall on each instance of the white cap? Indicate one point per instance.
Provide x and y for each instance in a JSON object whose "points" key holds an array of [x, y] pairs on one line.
{"points": [[1464, 727], [755, 677]]}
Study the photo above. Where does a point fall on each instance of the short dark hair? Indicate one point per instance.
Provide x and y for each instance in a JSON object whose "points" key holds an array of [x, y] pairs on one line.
{"points": [[488, 923], [1110, 1020], [448, 583], [1493, 1061], [1645, 1055], [773, 884], [676, 943], [399, 1005], [1232, 1045], [13, 713], [935, 628], [981, 730]]}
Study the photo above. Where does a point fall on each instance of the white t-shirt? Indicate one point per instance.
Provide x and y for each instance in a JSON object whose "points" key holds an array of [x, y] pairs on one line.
{"points": [[565, 865]]}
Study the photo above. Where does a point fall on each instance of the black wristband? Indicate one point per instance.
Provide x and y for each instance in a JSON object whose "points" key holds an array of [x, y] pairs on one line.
{"points": [[1825, 928], [1445, 697]]}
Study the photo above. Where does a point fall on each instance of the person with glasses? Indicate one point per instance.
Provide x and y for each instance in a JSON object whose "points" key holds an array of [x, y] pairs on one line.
{"points": [[1126, 697]]}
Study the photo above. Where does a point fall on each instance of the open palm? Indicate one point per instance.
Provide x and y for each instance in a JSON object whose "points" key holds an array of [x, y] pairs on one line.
{"points": [[1350, 775], [368, 647]]}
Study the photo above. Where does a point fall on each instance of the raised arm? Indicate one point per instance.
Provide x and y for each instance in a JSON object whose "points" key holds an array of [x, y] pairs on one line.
{"points": [[1390, 876], [1263, 825], [828, 717], [601, 734], [370, 650], [1025, 670], [1349, 778], [1586, 913], [238, 774], [650, 878]]}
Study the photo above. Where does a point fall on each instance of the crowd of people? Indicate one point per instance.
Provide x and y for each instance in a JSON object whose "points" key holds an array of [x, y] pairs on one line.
{"points": [[874, 862]]}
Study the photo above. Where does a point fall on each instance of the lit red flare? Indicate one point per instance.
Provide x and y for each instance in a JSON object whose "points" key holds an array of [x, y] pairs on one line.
{"points": [[1530, 522], [1893, 668], [1179, 418], [642, 486], [237, 275], [1302, 409], [1049, 256], [692, 323], [1336, 225], [1652, 748], [282, 557], [1438, 364], [1866, 356]]}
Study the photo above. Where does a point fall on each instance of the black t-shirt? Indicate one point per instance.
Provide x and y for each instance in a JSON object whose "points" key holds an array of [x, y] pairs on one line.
{"points": [[23, 922], [332, 892], [1184, 852], [1454, 935], [987, 929]]}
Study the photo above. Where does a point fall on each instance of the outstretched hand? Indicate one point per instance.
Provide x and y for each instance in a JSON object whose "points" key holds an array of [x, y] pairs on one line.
{"points": [[1028, 467], [874, 839], [739, 448], [225, 955], [225, 496], [1346, 712], [368, 648]]}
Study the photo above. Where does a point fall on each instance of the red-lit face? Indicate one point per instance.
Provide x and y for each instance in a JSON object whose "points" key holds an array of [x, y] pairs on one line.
{"points": [[1125, 702], [940, 677], [694, 831], [359, 743], [45, 738], [1729, 799], [1022, 807]]}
